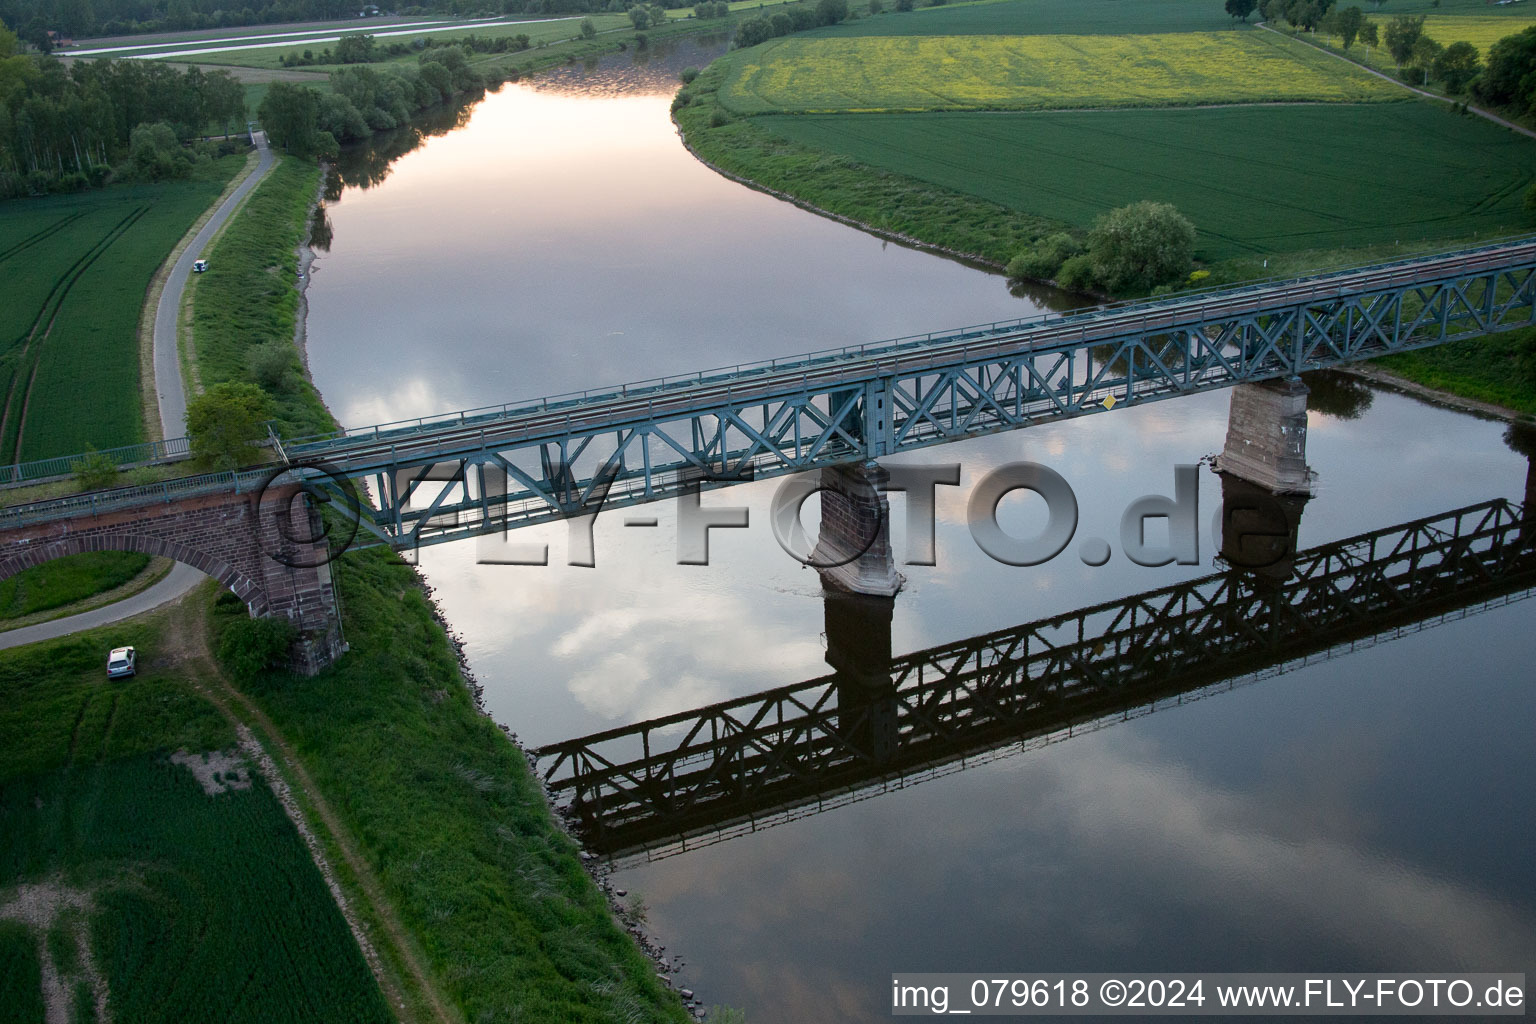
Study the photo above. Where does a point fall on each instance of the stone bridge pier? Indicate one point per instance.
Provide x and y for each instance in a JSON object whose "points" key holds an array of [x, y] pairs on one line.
{"points": [[1259, 528], [853, 550], [859, 651], [266, 548], [1267, 436]]}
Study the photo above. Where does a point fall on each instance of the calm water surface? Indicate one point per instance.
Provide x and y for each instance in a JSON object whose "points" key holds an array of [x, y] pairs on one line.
{"points": [[1372, 810]]}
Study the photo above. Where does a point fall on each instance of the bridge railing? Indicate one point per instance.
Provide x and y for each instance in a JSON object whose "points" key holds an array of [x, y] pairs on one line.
{"points": [[94, 502], [807, 360], [129, 455]]}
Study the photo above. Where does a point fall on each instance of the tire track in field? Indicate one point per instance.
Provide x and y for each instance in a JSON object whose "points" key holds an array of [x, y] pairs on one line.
{"points": [[50, 312], [31, 240]]}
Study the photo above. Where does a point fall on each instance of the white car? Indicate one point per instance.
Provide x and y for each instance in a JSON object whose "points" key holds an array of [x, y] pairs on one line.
{"points": [[198, 266], [121, 663]]}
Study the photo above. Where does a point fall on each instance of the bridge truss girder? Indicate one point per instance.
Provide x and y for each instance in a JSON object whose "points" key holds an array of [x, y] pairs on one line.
{"points": [[693, 773], [525, 469]]}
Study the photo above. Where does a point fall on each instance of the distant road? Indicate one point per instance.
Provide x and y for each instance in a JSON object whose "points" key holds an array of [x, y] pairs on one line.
{"points": [[171, 395], [173, 51], [173, 419]]}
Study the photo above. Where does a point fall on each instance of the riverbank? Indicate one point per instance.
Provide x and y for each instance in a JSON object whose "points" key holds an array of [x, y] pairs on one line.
{"points": [[762, 153], [447, 814]]}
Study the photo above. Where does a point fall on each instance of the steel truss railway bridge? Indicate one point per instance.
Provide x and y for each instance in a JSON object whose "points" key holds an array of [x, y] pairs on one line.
{"points": [[437, 479], [690, 779]]}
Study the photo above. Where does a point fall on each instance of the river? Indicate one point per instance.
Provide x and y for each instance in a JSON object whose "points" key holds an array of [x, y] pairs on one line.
{"points": [[1371, 807]]}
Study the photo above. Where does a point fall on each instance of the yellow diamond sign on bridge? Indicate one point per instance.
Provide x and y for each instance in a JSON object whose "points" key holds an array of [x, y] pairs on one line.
{"points": [[1109, 401]]}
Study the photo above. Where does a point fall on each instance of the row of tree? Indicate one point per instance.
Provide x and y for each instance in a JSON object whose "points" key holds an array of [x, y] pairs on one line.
{"points": [[1507, 80], [794, 18], [63, 128], [363, 100]]}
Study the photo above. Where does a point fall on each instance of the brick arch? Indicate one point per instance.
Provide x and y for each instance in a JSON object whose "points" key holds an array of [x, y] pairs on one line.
{"points": [[230, 578]]}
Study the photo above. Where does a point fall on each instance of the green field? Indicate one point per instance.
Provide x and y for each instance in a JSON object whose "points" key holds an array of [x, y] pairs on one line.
{"points": [[1108, 17], [1254, 180], [974, 72], [74, 271], [189, 906], [1042, 17]]}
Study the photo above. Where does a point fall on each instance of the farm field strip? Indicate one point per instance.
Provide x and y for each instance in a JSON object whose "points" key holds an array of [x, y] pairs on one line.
{"points": [[1254, 180], [1042, 17], [880, 74], [73, 280], [24, 369], [1481, 32]]}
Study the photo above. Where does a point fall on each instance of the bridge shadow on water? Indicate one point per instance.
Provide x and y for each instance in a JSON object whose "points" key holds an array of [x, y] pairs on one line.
{"points": [[880, 722]]}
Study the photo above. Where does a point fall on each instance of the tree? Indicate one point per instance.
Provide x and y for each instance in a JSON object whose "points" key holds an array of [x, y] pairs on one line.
{"points": [[1240, 9], [1140, 246], [1509, 78], [223, 422], [356, 49], [1425, 52], [1456, 66], [1402, 32], [1347, 23], [155, 153], [640, 16], [754, 30], [830, 12], [288, 113], [1369, 34], [588, 28]]}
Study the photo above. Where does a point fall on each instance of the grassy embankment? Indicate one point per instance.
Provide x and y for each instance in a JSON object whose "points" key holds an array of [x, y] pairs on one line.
{"points": [[185, 900], [1273, 189], [74, 273], [442, 805]]}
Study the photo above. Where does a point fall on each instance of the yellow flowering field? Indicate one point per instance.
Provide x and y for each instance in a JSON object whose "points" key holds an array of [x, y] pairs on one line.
{"points": [[909, 73], [1481, 32]]}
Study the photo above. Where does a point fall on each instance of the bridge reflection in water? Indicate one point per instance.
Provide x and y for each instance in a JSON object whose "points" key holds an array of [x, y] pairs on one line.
{"points": [[881, 722]]}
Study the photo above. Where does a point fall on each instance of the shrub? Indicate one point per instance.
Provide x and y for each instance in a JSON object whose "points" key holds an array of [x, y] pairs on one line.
{"points": [[830, 12], [270, 363], [1530, 199], [904, 5], [1077, 274], [681, 100], [718, 118], [588, 29], [1140, 246], [94, 470], [875, 6], [1042, 260], [250, 647], [688, 75]]}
